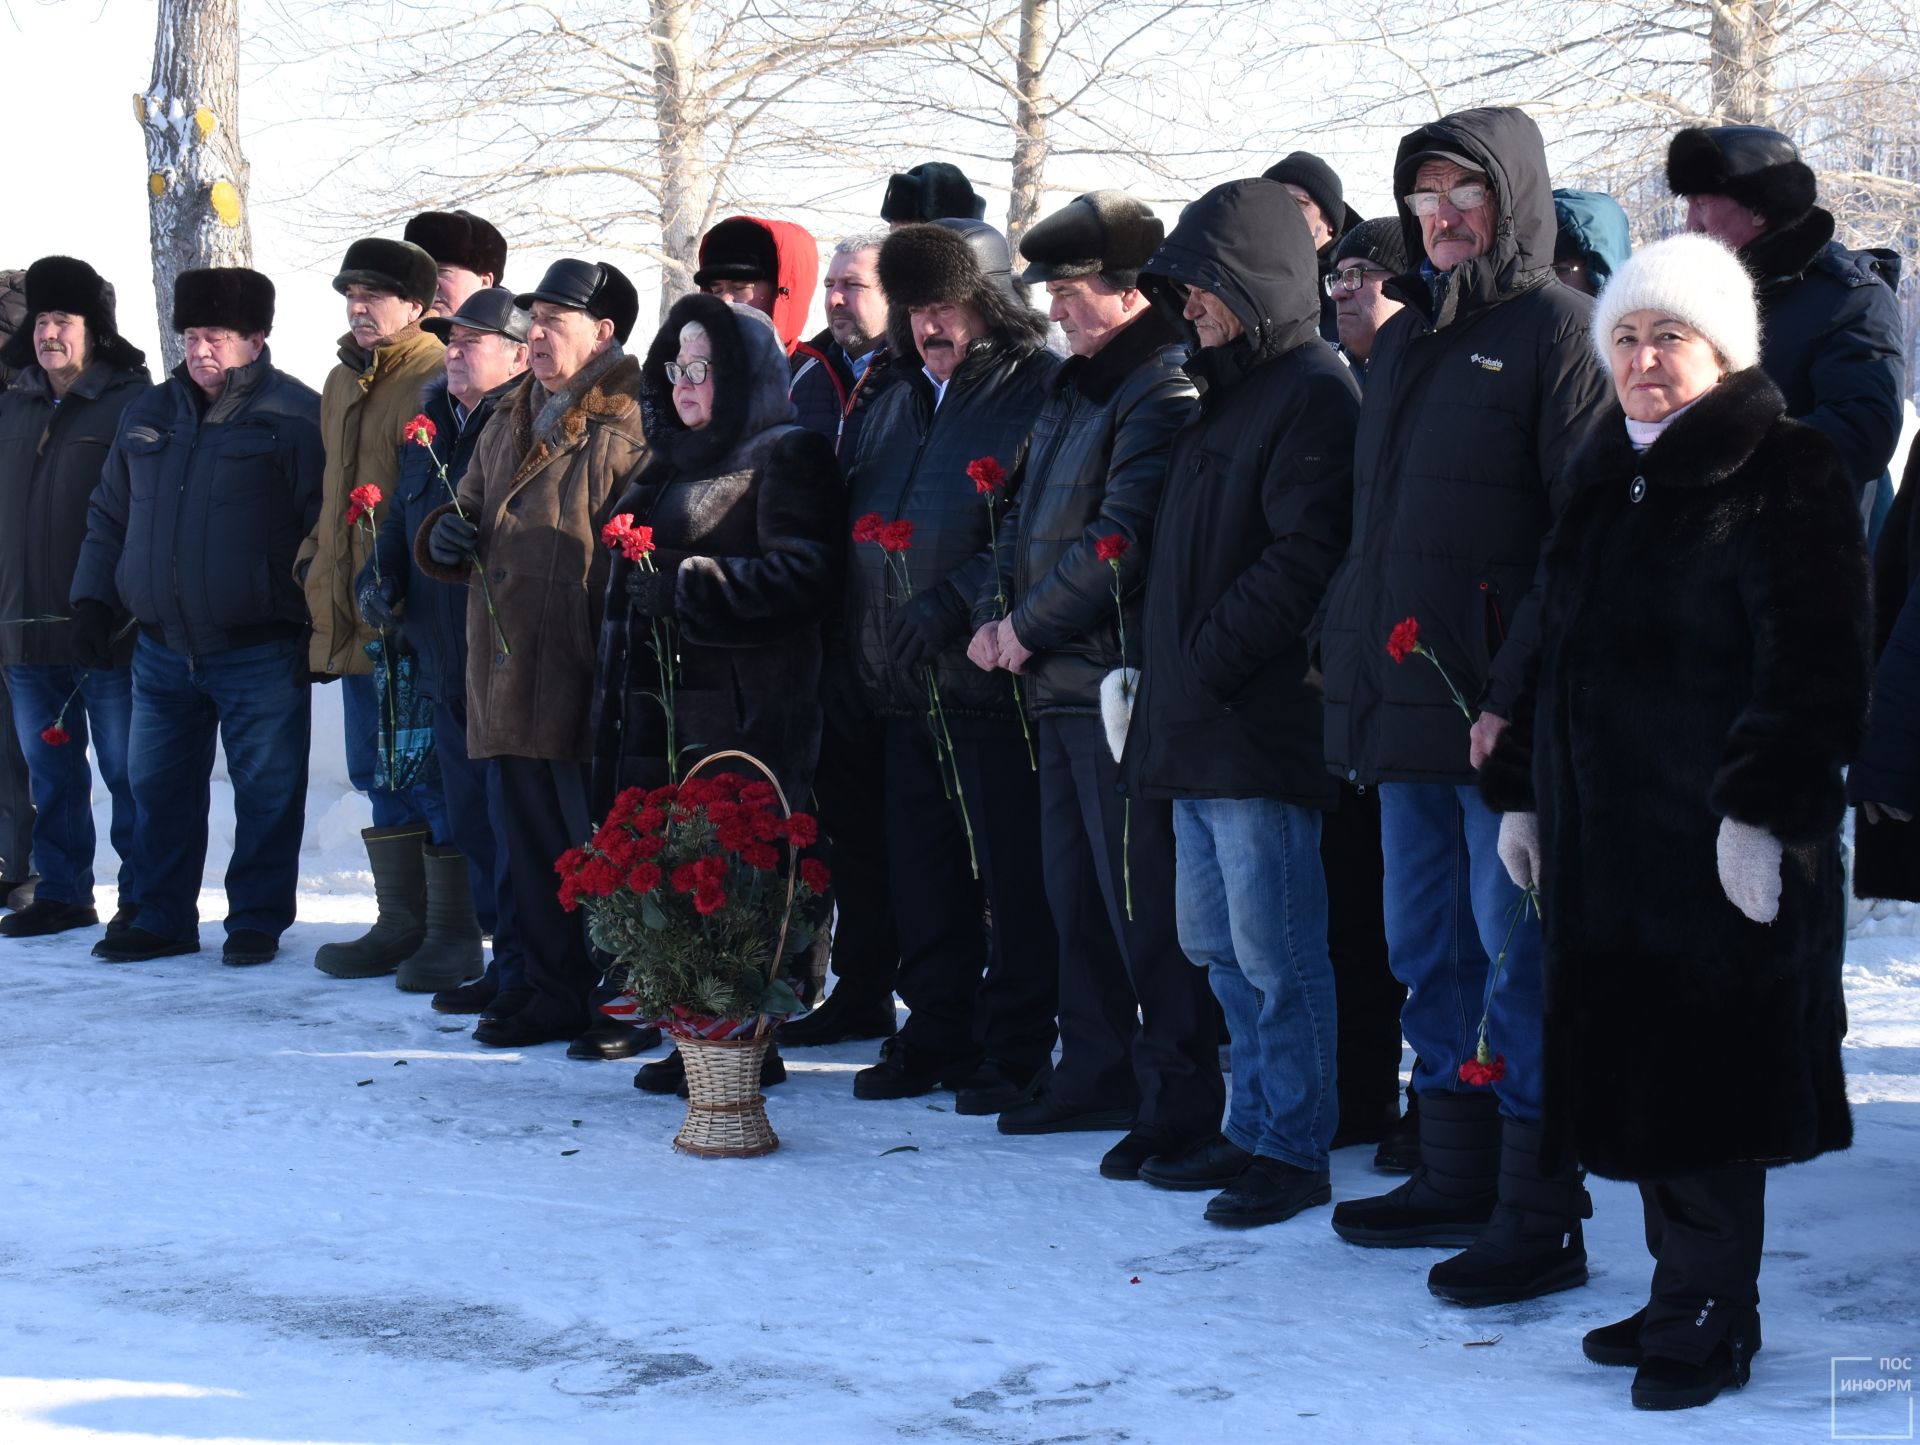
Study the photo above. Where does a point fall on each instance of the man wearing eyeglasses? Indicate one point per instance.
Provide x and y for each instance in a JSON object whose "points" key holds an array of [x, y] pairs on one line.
{"points": [[1474, 395], [1366, 258]]}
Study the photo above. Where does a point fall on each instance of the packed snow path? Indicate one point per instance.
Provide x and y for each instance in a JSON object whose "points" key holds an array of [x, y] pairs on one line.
{"points": [[265, 1205]]}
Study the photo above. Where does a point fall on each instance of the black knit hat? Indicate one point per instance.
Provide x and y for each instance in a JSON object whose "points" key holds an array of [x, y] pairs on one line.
{"points": [[229, 296], [399, 268], [1320, 181], [460, 238], [1381, 241], [1758, 167], [737, 249], [61, 283], [931, 191], [1103, 233]]}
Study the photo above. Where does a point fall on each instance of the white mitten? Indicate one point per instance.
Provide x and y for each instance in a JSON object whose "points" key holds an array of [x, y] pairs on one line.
{"points": [[1520, 848], [1117, 691], [1750, 869]]}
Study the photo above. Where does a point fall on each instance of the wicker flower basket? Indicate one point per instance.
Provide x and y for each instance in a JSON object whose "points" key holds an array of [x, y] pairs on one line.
{"points": [[726, 1115]]}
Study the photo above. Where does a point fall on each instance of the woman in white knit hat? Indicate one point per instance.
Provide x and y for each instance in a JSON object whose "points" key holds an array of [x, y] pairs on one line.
{"points": [[1673, 788]]}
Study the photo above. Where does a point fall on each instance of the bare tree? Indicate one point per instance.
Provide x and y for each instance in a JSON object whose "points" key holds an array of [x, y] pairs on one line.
{"points": [[599, 124], [196, 173]]}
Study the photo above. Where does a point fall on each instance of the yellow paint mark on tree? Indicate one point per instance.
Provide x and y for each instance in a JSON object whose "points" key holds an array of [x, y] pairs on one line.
{"points": [[203, 118], [140, 109], [226, 202], [157, 185]]}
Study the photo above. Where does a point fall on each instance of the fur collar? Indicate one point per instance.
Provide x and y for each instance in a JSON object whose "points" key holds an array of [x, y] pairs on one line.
{"points": [[1705, 446], [614, 396], [1099, 376], [1785, 254]]}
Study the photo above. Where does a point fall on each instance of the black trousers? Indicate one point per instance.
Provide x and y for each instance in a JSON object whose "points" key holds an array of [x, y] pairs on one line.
{"points": [[972, 989], [1704, 1232], [1367, 997], [16, 799], [850, 792], [539, 810], [1138, 1023]]}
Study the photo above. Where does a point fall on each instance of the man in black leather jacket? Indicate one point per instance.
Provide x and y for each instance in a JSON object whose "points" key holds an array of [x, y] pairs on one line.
{"points": [[960, 790], [1137, 1024]]}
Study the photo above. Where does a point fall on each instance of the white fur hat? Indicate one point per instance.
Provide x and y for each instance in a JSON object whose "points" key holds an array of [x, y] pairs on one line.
{"points": [[1693, 279]]}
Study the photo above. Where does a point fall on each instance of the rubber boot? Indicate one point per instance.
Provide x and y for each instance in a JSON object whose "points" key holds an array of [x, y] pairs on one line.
{"points": [[400, 890], [1449, 1198], [1533, 1245], [450, 953]]}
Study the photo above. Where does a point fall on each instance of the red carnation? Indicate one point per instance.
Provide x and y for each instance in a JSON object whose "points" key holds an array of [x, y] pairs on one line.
{"points": [[758, 795], [1404, 640], [55, 736], [420, 431], [801, 830], [685, 878], [867, 528], [763, 856], [644, 878], [1111, 549], [568, 863], [1475, 1072], [988, 475], [814, 874], [896, 536], [709, 899], [361, 501]]}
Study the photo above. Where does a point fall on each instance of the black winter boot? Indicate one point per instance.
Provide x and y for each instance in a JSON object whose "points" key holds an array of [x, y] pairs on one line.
{"points": [[1668, 1384], [469, 998], [449, 953], [1533, 1245], [400, 889], [1447, 1201]]}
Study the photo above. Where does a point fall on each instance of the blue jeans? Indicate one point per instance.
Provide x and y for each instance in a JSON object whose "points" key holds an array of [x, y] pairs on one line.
{"points": [[1251, 901], [1449, 908], [259, 700], [100, 712], [421, 803]]}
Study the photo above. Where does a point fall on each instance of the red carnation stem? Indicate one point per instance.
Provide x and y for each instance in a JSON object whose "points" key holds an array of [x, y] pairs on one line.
{"points": [[937, 717], [1485, 1067], [486, 592], [1000, 601]]}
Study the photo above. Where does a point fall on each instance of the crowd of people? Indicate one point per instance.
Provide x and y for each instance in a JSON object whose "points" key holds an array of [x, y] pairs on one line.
{"points": [[1452, 628]]}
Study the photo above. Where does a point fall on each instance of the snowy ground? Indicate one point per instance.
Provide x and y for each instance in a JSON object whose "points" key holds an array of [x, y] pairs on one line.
{"points": [[266, 1205]]}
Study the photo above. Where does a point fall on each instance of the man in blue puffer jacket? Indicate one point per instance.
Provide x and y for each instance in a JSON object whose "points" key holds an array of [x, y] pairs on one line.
{"points": [[212, 482]]}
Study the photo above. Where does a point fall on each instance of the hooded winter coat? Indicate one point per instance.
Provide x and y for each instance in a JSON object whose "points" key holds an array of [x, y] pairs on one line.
{"points": [[434, 620], [1831, 339], [1475, 394], [1594, 226], [911, 465], [748, 516], [1095, 466], [797, 268], [539, 506], [1703, 655], [52, 454], [201, 508], [363, 406], [1252, 522], [1886, 855]]}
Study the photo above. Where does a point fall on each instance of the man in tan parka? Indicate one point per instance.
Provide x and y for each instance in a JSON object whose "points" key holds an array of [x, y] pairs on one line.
{"points": [[385, 361]]}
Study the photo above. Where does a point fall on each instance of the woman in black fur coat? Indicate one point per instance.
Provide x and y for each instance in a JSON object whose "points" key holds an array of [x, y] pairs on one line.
{"points": [[1673, 786], [748, 515]]}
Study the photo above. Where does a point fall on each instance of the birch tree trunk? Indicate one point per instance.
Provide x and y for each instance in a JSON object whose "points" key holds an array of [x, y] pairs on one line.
{"points": [[1741, 37], [681, 131], [196, 174], [1029, 120]]}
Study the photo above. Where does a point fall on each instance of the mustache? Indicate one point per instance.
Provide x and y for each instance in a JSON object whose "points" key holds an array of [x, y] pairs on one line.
{"points": [[933, 341]]}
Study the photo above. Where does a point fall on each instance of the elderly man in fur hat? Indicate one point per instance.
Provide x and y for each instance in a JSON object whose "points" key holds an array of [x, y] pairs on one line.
{"points": [[469, 255], [1829, 320], [564, 441], [213, 481], [1138, 1032], [385, 360], [962, 805], [66, 666]]}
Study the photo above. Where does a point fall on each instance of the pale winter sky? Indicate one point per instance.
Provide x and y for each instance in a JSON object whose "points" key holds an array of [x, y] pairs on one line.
{"points": [[76, 166]]}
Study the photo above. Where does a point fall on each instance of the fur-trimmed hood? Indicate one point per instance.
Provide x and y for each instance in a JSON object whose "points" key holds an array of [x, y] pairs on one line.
{"points": [[749, 385], [955, 261]]}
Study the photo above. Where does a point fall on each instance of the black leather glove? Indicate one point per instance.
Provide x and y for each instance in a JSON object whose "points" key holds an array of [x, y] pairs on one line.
{"points": [[452, 540], [376, 604], [926, 626], [92, 632], [652, 592]]}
